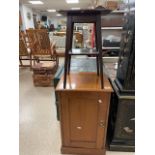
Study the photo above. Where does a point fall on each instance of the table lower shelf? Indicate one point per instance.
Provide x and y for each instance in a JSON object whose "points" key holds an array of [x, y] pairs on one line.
{"points": [[84, 51]]}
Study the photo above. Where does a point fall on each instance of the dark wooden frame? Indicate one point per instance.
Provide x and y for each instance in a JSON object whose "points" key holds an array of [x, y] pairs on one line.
{"points": [[84, 16]]}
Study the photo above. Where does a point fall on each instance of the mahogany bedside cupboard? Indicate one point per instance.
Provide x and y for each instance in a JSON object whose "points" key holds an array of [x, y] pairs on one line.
{"points": [[84, 109]]}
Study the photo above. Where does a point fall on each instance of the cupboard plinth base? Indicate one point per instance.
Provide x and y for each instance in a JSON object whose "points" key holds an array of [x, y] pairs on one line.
{"points": [[82, 151], [119, 147]]}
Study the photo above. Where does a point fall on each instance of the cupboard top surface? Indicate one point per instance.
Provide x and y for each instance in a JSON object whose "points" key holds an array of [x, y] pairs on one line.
{"points": [[84, 81]]}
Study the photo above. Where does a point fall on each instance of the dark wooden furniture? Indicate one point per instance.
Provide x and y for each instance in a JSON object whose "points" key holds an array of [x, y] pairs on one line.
{"points": [[121, 126], [112, 24], [125, 78], [122, 109], [84, 16], [84, 109], [113, 21], [56, 79]]}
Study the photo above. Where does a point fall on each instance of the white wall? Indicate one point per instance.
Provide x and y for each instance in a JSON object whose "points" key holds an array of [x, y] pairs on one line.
{"points": [[38, 16], [57, 21], [22, 16], [27, 23]]}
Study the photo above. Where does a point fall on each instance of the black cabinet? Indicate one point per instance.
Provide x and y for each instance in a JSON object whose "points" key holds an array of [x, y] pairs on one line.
{"points": [[125, 78], [121, 129]]}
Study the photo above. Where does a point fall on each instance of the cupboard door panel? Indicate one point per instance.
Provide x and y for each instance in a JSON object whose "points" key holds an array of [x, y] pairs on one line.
{"points": [[83, 119], [84, 114]]}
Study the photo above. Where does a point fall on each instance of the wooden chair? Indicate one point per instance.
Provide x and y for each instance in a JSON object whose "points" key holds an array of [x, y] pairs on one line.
{"points": [[24, 54], [41, 47], [79, 39]]}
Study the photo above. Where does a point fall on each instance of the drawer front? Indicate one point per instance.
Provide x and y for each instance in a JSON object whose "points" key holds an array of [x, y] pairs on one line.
{"points": [[83, 118]]}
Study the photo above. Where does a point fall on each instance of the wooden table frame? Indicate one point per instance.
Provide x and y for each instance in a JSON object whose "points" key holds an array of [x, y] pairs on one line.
{"points": [[84, 16]]}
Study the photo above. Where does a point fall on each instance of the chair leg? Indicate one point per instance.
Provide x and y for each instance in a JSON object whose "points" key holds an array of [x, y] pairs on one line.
{"points": [[57, 61], [21, 63], [38, 60], [33, 61], [30, 62]]}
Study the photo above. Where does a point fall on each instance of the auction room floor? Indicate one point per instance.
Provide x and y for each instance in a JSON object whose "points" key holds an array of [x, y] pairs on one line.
{"points": [[39, 128]]}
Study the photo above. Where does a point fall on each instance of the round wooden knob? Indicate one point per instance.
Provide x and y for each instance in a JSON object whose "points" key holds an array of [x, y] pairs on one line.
{"points": [[79, 127], [99, 101]]}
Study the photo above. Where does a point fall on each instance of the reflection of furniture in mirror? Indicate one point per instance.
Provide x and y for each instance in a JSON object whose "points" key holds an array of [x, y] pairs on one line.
{"points": [[78, 39], [78, 36], [60, 39]]}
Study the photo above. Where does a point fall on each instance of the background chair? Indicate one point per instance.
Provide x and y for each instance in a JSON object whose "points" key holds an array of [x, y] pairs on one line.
{"points": [[24, 51], [41, 47]]}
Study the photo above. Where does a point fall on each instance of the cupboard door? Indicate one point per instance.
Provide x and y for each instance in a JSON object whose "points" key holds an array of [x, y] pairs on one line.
{"points": [[83, 118]]}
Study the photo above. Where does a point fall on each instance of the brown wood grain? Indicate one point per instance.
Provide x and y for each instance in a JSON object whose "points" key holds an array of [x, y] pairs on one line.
{"points": [[83, 114], [40, 45], [84, 81]]}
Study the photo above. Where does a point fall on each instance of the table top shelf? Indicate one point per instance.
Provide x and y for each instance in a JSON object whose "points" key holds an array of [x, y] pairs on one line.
{"points": [[112, 28], [82, 12], [110, 48]]}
